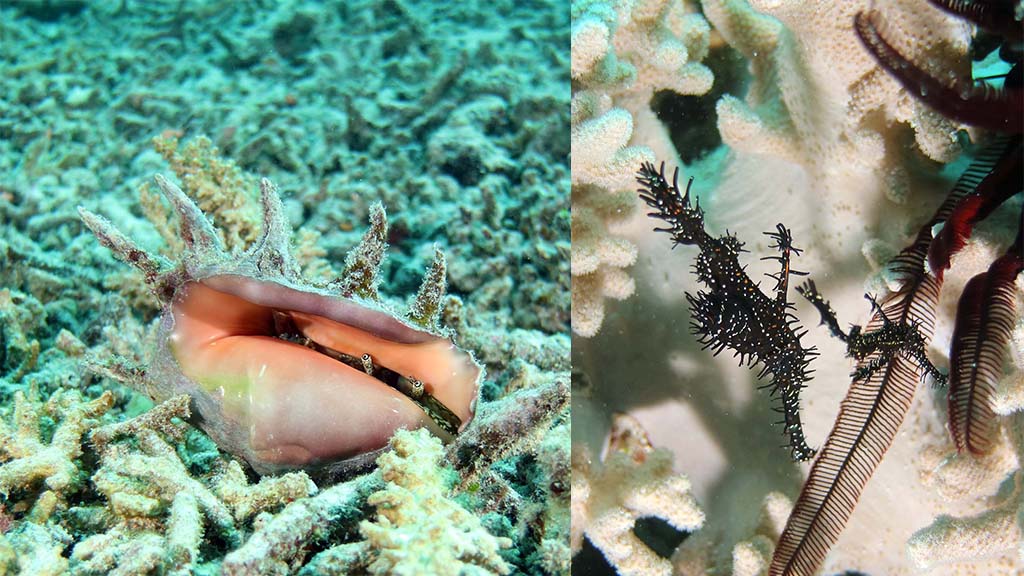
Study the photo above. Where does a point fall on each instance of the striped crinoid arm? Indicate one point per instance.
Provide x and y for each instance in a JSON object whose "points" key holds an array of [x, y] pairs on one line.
{"points": [[869, 416], [876, 404], [984, 321], [868, 420]]}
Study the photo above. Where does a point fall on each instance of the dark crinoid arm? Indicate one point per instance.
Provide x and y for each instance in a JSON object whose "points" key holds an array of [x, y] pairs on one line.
{"points": [[985, 318], [978, 105], [731, 312]]}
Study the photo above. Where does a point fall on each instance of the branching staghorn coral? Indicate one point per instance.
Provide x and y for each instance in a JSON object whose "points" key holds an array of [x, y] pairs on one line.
{"points": [[553, 453], [631, 49], [271, 492], [602, 166], [634, 480], [529, 422], [419, 529], [33, 462], [167, 418]]}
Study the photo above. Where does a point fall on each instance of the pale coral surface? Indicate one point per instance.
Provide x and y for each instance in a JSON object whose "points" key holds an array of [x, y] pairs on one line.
{"points": [[809, 131]]}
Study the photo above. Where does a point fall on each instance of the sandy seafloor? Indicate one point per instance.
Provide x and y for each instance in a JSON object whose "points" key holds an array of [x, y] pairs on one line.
{"points": [[454, 115]]}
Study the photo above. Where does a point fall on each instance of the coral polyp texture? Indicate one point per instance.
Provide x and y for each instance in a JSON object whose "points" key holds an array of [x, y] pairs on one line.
{"points": [[388, 183]]}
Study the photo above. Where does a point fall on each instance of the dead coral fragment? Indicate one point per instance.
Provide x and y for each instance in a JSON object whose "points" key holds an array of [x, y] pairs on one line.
{"points": [[143, 484], [270, 493], [15, 345], [156, 510], [30, 460], [125, 550], [419, 529], [280, 544], [513, 425], [218, 186], [34, 549], [168, 418], [553, 521]]}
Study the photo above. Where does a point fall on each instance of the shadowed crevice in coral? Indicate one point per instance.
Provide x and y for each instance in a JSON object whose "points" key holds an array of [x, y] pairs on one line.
{"points": [[692, 120], [659, 535]]}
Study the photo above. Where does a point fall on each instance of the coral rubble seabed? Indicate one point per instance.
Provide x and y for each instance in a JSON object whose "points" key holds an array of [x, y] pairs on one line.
{"points": [[453, 116]]}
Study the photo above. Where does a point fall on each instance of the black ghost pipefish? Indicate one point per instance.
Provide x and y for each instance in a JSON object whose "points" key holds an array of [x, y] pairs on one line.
{"points": [[733, 313]]}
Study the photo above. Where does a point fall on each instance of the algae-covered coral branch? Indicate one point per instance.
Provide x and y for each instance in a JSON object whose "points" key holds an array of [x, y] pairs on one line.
{"points": [[418, 528], [30, 460]]}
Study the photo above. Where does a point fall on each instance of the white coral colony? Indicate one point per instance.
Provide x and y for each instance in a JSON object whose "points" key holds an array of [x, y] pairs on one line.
{"points": [[286, 375]]}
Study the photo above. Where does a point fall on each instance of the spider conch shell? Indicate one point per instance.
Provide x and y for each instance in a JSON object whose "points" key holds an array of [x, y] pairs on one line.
{"points": [[285, 375]]}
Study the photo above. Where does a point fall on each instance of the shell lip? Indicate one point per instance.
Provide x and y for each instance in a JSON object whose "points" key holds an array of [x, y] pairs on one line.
{"points": [[273, 294]]}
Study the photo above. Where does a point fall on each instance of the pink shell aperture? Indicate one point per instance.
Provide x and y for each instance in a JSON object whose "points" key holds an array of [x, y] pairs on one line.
{"points": [[286, 375]]}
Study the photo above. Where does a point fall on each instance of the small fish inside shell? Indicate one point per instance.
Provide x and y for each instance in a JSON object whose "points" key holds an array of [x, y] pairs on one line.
{"points": [[286, 375]]}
